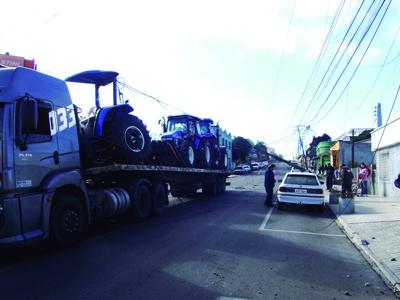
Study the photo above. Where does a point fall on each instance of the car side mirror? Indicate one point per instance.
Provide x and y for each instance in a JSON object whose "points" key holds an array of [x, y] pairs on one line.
{"points": [[27, 119]]}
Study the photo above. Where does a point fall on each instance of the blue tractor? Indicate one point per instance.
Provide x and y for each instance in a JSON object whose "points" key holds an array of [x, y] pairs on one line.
{"points": [[110, 134], [219, 154], [183, 136]]}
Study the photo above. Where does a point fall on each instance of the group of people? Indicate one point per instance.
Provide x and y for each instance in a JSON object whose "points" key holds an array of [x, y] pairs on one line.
{"points": [[331, 172], [347, 178]]}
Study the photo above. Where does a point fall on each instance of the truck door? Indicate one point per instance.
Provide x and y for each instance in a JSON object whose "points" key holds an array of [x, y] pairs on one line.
{"points": [[36, 150]]}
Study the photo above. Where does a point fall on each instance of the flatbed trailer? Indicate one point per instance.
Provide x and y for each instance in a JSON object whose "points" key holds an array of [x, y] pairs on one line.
{"points": [[56, 173]]}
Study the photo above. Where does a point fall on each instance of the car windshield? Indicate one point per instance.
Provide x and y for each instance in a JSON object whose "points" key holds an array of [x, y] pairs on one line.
{"points": [[301, 180]]}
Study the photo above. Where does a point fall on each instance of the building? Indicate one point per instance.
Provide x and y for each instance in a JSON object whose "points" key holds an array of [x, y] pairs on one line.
{"points": [[323, 154], [225, 139], [386, 143], [12, 61], [342, 148]]}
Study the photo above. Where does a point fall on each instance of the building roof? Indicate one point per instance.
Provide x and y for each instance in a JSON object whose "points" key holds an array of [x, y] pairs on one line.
{"points": [[358, 132]]}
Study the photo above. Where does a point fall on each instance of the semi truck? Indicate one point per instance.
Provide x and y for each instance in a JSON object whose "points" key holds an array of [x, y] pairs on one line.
{"points": [[62, 172]]}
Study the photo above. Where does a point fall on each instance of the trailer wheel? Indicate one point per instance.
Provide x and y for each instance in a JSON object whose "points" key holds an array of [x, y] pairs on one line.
{"points": [[141, 200], [188, 154], [160, 199], [205, 155], [130, 139], [67, 220]]}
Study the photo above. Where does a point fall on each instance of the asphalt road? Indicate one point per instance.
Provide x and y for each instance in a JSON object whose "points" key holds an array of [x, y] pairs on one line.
{"points": [[225, 247]]}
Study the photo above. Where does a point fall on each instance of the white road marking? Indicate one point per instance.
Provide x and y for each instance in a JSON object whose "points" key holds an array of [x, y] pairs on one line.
{"points": [[303, 232], [266, 219]]}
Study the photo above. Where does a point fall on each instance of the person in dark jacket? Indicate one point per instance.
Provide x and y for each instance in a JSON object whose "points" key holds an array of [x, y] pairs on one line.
{"points": [[347, 182], [397, 181], [269, 183], [329, 177]]}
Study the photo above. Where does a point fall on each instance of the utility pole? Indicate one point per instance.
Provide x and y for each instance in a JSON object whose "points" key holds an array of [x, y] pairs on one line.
{"points": [[352, 148]]}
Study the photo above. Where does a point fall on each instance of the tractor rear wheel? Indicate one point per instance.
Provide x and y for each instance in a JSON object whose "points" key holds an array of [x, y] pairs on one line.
{"points": [[188, 155], [205, 155], [130, 139]]}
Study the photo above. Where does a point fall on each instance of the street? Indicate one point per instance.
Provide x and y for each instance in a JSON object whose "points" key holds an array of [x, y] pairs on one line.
{"points": [[224, 247]]}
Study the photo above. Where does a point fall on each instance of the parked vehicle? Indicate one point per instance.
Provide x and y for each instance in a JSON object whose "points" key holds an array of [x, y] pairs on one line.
{"points": [[242, 170], [300, 188], [61, 174], [255, 166]]}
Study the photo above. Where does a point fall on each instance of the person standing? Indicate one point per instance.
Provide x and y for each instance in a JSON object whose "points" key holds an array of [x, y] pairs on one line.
{"points": [[363, 178], [347, 182], [329, 176], [397, 181], [269, 183]]}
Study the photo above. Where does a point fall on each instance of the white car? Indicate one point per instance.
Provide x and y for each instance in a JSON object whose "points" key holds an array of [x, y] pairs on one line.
{"points": [[300, 188]]}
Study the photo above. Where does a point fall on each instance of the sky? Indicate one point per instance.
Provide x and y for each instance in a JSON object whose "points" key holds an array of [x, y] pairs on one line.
{"points": [[252, 66]]}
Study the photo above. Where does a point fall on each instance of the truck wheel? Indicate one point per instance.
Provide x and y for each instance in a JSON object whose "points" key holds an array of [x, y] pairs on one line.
{"points": [[67, 220], [130, 139], [160, 199], [141, 200], [187, 152], [205, 154]]}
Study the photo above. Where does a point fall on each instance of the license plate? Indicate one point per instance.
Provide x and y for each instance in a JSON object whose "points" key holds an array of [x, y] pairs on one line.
{"points": [[300, 191]]}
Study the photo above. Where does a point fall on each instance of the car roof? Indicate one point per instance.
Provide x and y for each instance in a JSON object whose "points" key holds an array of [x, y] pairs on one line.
{"points": [[301, 173]]}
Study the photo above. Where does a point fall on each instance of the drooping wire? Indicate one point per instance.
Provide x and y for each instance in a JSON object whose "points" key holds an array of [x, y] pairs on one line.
{"points": [[354, 72], [162, 103]]}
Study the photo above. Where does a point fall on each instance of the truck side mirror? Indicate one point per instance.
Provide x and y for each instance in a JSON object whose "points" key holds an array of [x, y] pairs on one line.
{"points": [[27, 119]]}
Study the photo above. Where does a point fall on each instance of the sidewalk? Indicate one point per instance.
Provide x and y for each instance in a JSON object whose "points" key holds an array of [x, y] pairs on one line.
{"points": [[374, 229]]}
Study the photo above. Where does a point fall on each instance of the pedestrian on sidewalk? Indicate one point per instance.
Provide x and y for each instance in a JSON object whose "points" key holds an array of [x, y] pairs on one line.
{"points": [[397, 181], [347, 182], [329, 176], [269, 183], [363, 179]]}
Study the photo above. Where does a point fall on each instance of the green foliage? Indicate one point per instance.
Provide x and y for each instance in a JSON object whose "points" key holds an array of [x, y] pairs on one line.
{"points": [[241, 148]]}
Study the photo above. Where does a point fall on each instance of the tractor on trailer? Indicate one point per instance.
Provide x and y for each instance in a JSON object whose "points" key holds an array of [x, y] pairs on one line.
{"points": [[61, 173]]}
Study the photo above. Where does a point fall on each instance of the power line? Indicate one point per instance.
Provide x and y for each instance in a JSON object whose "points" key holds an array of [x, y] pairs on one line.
{"points": [[317, 62], [384, 128], [336, 53], [354, 72], [377, 76], [283, 52], [162, 103]]}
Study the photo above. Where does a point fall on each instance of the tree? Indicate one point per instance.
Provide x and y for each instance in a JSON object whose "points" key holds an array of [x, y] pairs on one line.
{"points": [[261, 151], [241, 148]]}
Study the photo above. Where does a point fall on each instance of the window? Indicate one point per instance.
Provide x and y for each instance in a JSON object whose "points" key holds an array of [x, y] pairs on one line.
{"points": [[42, 132], [301, 180]]}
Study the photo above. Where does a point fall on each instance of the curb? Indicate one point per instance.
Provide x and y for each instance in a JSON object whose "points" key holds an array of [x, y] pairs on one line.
{"points": [[392, 281]]}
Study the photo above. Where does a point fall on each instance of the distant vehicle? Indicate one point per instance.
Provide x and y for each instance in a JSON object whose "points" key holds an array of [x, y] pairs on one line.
{"points": [[255, 166], [300, 188], [242, 169]]}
